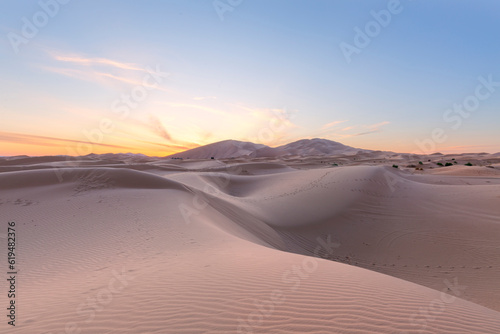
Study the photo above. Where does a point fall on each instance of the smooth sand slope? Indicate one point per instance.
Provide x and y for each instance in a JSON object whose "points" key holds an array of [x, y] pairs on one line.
{"points": [[253, 247]]}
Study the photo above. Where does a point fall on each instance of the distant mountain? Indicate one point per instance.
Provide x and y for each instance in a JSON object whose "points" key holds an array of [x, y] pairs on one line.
{"points": [[222, 150], [317, 146], [235, 149]]}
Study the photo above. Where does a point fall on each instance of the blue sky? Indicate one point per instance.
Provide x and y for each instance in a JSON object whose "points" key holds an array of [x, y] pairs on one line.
{"points": [[264, 71]]}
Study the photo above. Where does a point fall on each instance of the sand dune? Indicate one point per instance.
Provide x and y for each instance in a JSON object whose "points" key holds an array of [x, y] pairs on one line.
{"points": [[467, 171], [254, 247]]}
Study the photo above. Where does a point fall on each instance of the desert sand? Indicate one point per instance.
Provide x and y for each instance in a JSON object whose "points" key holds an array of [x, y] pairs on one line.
{"points": [[337, 244]]}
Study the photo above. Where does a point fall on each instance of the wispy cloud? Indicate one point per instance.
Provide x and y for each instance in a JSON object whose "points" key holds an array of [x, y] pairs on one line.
{"points": [[72, 73], [363, 133], [158, 128], [372, 128], [329, 125], [100, 70], [128, 80], [19, 138], [366, 129], [98, 61], [377, 125]]}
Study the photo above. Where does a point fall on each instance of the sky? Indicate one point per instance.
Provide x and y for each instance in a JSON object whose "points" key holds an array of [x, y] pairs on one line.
{"points": [[159, 77]]}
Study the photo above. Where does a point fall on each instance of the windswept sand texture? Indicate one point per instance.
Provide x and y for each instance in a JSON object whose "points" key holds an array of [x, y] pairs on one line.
{"points": [[337, 244]]}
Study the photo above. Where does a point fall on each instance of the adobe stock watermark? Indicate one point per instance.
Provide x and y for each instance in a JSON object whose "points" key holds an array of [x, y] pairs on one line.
{"points": [[31, 26], [293, 277], [122, 107], [392, 181], [437, 306], [373, 28], [459, 111], [88, 309], [223, 6]]}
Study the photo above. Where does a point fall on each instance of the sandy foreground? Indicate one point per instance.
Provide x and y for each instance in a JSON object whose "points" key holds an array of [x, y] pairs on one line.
{"points": [[343, 244]]}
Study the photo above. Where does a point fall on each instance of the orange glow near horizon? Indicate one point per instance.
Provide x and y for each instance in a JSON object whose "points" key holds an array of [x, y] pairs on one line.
{"points": [[39, 146], [33, 150], [15, 144]]}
